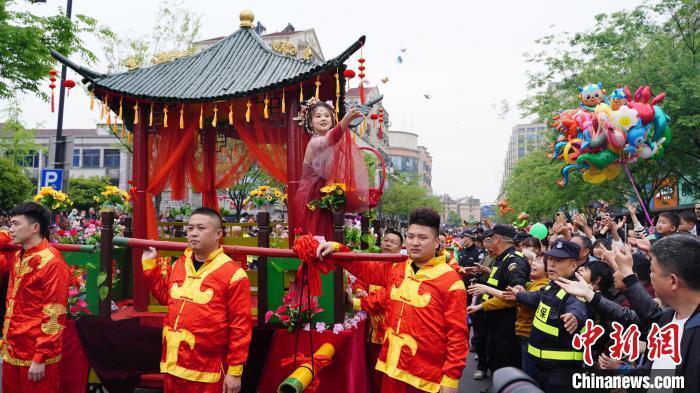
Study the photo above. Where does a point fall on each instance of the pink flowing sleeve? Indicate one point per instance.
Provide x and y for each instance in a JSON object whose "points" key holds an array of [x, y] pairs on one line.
{"points": [[347, 166]]}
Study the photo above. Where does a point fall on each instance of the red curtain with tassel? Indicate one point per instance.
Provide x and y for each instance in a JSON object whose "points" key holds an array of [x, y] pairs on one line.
{"points": [[266, 143], [213, 167]]}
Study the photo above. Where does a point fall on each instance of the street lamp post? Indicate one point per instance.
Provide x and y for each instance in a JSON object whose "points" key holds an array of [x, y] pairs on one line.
{"points": [[59, 156]]}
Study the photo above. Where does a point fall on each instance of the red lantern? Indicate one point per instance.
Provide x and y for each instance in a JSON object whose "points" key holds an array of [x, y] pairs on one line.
{"points": [[69, 84], [349, 74], [374, 116], [52, 86], [361, 67]]}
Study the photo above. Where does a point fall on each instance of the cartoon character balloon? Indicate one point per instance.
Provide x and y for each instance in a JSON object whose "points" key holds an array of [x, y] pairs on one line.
{"points": [[607, 131]]}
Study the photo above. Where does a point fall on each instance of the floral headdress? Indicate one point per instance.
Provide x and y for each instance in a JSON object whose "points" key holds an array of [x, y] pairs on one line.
{"points": [[304, 116]]}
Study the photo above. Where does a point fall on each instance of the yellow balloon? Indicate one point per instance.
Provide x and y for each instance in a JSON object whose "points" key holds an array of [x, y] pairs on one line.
{"points": [[593, 176], [571, 148], [603, 108]]}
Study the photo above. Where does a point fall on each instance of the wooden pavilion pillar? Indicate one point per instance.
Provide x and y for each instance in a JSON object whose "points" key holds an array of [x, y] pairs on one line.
{"points": [[295, 159], [140, 178]]}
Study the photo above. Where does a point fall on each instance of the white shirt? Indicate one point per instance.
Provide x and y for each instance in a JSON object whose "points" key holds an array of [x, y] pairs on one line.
{"points": [[665, 362]]}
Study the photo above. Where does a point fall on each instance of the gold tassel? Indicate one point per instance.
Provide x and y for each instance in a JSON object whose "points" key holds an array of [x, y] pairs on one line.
{"points": [[201, 117], [136, 113], [266, 114], [337, 83], [214, 120], [120, 108], [109, 120], [247, 111], [92, 99], [337, 92], [230, 113], [150, 116], [129, 138], [102, 109], [114, 125], [123, 133], [182, 116], [165, 115], [354, 137], [284, 107], [318, 84], [301, 93]]}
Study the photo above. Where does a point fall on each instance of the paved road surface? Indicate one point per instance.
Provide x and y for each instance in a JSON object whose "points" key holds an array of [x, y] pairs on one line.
{"points": [[468, 384]]}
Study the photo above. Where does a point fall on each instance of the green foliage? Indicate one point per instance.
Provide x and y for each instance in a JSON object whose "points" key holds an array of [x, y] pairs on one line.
{"points": [[16, 140], [239, 192], [656, 46], [453, 219], [372, 163], [82, 191], [15, 186], [532, 188], [406, 194], [175, 29], [25, 59]]}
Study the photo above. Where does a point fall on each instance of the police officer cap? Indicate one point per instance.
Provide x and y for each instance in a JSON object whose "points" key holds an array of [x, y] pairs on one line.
{"points": [[467, 233], [564, 249], [520, 237], [501, 229]]}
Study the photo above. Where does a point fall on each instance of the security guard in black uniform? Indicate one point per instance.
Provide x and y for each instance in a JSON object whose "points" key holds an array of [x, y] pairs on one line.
{"points": [[558, 317], [470, 254], [509, 269]]}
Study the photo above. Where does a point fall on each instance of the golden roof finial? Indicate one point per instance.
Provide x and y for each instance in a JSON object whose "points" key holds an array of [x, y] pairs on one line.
{"points": [[246, 17]]}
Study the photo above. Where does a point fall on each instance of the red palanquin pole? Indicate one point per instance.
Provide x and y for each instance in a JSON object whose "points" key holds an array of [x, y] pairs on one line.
{"points": [[140, 177], [260, 251]]}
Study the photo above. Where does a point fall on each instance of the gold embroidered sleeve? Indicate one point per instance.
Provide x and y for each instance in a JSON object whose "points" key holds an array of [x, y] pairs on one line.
{"points": [[53, 311]]}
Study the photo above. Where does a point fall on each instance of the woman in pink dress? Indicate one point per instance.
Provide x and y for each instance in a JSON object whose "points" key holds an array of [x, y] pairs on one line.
{"points": [[331, 157]]}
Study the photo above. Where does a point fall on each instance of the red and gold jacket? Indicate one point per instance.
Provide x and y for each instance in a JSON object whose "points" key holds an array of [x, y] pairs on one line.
{"points": [[37, 297], [208, 326], [374, 303], [426, 339]]}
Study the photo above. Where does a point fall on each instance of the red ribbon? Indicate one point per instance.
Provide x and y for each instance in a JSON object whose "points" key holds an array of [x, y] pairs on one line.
{"points": [[305, 247]]}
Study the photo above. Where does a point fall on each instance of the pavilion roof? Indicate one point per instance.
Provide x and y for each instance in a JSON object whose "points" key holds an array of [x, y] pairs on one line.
{"points": [[240, 65]]}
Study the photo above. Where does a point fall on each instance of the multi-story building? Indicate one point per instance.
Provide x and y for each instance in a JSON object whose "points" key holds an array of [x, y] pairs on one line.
{"points": [[410, 158], [468, 208], [95, 152], [291, 42], [525, 139], [370, 136]]}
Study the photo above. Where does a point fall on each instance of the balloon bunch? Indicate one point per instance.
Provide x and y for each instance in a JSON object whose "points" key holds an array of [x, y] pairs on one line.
{"points": [[607, 131], [522, 220]]}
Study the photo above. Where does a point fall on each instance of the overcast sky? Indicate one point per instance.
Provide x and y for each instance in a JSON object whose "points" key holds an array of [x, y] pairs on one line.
{"points": [[467, 55]]}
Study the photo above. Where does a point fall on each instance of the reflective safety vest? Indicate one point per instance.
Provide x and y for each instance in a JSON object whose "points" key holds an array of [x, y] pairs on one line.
{"points": [[493, 278], [549, 340]]}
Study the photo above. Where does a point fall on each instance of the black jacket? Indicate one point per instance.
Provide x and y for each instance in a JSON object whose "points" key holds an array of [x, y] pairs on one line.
{"points": [[648, 312]]}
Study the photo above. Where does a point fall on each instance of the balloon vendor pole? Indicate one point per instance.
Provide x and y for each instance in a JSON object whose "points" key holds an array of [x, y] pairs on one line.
{"points": [[639, 198]]}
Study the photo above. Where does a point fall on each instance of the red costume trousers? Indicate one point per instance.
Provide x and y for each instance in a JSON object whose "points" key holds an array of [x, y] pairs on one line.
{"points": [[173, 384], [15, 379], [391, 385]]}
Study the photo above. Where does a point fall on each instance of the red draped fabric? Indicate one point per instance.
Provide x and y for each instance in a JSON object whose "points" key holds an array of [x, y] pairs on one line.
{"points": [[181, 156], [210, 170], [349, 362], [266, 142]]}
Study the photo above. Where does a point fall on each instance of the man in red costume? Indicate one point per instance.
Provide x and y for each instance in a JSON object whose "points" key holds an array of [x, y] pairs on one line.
{"points": [[37, 297], [208, 327], [425, 343], [372, 299]]}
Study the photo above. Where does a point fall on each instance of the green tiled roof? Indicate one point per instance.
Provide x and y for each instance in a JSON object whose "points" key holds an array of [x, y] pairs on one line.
{"points": [[240, 65]]}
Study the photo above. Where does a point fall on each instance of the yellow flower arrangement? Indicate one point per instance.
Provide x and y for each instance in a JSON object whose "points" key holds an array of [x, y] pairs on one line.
{"points": [[112, 198], [264, 196], [52, 199], [333, 197]]}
